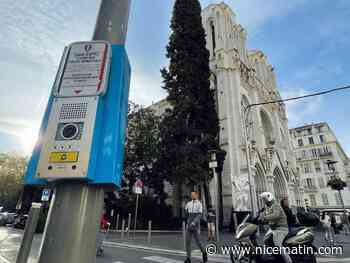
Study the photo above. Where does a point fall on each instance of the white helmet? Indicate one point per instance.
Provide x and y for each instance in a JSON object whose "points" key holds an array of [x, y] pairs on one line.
{"points": [[267, 197]]}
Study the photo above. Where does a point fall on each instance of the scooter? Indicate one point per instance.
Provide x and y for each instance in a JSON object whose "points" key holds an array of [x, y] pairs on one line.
{"points": [[251, 251]]}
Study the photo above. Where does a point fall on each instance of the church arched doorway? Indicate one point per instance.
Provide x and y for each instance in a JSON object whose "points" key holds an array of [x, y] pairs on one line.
{"points": [[267, 128], [260, 184], [279, 185]]}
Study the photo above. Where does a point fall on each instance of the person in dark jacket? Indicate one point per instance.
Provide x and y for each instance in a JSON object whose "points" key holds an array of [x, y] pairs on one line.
{"points": [[211, 218], [291, 218]]}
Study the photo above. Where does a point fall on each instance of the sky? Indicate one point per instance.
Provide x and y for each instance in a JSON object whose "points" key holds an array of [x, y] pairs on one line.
{"points": [[307, 42]]}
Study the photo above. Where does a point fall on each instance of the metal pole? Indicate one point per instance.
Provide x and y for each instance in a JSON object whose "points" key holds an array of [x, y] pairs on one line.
{"points": [[112, 21], [149, 231], [73, 225], [247, 150], [29, 232], [216, 206], [184, 233], [72, 228], [117, 224], [129, 225], [123, 228], [136, 208]]}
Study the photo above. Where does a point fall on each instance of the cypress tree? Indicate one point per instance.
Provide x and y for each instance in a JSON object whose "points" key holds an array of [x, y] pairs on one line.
{"points": [[189, 128]]}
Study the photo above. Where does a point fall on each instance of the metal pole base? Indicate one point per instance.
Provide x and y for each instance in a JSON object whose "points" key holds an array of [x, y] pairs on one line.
{"points": [[73, 223]]}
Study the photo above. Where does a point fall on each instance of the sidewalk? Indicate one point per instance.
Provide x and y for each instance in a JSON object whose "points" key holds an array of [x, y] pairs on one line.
{"points": [[175, 242]]}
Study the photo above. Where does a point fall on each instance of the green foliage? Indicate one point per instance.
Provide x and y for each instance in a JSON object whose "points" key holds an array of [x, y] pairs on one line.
{"points": [[336, 183], [190, 128], [141, 150], [12, 169]]}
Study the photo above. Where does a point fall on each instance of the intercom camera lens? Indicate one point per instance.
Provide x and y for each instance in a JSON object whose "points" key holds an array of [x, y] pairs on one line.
{"points": [[69, 131]]}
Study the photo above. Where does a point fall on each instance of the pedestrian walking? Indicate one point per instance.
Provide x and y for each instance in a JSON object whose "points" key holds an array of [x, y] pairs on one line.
{"points": [[328, 229], [211, 219], [104, 226], [346, 223], [194, 211]]}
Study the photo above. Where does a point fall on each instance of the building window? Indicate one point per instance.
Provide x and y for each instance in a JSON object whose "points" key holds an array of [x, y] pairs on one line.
{"points": [[314, 153], [325, 199], [322, 138], [307, 168], [321, 182], [303, 154], [309, 131], [337, 198], [311, 140], [313, 201], [309, 183], [300, 142], [317, 167], [325, 149]]}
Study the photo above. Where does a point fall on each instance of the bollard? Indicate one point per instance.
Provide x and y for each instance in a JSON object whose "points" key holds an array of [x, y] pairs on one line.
{"points": [[129, 225], [184, 233], [123, 227], [29, 232], [117, 224], [149, 232]]}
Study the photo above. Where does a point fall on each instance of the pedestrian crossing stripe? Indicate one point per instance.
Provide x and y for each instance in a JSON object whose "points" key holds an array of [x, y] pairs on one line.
{"points": [[169, 260], [162, 259]]}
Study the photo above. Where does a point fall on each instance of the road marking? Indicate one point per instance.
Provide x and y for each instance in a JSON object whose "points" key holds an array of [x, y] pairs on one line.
{"points": [[347, 260], [162, 259], [4, 260]]}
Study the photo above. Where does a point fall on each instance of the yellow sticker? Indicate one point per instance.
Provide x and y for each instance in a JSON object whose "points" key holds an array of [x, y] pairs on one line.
{"points": [[64, 157]]}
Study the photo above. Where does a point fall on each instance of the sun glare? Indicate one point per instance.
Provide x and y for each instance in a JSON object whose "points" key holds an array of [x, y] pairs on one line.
{"points": [[28, 138]]}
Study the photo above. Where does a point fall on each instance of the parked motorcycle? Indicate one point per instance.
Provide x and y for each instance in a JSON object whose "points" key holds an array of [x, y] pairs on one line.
{"points": [[246, 235]]}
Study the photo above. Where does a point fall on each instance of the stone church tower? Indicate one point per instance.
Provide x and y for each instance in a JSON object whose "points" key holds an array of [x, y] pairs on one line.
{"points": [[242, 77]]}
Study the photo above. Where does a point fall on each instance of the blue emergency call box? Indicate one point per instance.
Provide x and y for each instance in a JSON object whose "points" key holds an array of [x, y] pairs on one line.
{"points": [[83, 129]]}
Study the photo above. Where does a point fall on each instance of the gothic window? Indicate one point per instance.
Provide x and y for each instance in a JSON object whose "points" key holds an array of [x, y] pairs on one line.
{"points": [[213, 35], [267, 128], [246, 120]]}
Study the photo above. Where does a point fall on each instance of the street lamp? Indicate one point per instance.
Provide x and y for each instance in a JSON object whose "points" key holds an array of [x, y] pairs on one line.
{"points": [[213, 164]]}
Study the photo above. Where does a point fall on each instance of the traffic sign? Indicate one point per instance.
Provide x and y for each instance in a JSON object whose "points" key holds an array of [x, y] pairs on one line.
{"points": [[85, 69], [138, 187], [45, 195]]}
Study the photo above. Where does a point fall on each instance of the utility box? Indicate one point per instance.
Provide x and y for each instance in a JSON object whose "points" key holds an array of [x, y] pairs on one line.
{"points": [[83, 130]]}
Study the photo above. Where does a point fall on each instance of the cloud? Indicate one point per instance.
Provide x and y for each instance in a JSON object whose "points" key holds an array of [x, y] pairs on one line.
{"points": [[146, 89], [302, 111], [32, 37]]}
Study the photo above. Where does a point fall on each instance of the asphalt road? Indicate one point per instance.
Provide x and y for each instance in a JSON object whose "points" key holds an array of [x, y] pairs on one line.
{"points": [[120, 253]]}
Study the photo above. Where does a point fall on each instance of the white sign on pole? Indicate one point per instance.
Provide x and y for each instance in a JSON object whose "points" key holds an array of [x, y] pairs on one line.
{"points": [[85, 69], [213, 164], [138, 187], [45, 196]]}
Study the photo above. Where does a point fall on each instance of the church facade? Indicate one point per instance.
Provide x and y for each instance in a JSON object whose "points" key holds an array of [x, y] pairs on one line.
{"points": [[256, 138]]}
